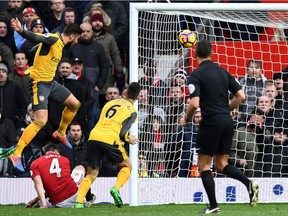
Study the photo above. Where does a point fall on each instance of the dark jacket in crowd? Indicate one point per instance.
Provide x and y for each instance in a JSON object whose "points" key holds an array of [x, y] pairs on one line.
{"points": [[76, 155], [13, 101], [7, 133], [94, 59]]}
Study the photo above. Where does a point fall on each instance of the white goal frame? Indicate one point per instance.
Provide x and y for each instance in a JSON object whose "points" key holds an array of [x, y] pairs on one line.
{"points": [[133, 71]]}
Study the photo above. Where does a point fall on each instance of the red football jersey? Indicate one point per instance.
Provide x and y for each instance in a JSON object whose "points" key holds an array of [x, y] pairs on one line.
{"points": [[54, 171]]}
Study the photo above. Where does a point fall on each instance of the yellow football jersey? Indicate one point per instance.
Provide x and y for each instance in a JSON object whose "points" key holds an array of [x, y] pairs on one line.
{"points": [[115, 121], [47, 57]]}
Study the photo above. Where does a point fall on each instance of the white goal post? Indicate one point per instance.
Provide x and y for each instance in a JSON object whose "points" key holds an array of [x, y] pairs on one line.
{"points": [[222, 12]]}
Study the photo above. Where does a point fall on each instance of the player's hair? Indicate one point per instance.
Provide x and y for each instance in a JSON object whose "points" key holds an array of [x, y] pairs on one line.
{"points": [[72, 29], [20, 53], [133, 90], [50, 147], [257, 62], [269, 83], [74, 122], [66, 60], [203, 49]]}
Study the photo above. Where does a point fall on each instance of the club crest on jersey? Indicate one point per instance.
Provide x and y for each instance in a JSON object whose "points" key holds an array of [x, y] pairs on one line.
{"points": [[41, 98], [191, 88]]}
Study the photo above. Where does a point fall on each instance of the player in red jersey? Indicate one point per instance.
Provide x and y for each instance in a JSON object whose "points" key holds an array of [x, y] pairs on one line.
{"points": [[51, 176]]}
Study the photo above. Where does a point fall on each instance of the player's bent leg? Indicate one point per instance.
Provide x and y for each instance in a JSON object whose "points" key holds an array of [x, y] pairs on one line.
{"points": [[122, 178], [85, 185], [78, 174], [123, 174], [69, 112], [28, 134]]}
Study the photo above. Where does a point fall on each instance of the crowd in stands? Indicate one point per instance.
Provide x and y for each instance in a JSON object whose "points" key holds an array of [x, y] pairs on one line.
{"points": [[259, 144], [95, 70]]}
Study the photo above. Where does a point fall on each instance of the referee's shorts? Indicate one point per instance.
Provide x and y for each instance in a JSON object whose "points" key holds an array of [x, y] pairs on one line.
{"points": [[215, 135]]}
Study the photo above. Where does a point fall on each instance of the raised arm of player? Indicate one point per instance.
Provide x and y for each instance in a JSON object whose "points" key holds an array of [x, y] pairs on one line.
{"points": [[38, 38]]}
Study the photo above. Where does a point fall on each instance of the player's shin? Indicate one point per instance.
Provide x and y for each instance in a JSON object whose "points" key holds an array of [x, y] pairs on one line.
{"points": [[68, 115], [28, 134], [122, 177], [84, 187]]}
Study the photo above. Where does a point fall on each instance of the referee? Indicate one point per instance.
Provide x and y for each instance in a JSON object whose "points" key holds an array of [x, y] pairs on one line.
{"points": [[209, 86]]}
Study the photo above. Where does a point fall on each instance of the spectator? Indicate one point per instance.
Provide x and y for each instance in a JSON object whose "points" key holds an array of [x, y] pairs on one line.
{"points": [[69, 80], [30, 47], [271, 92], [68, 16], [110, 46], [14, 10], [56, 183], [245, 148], [253, 84], [28, 15], [175, 107], [143, 106], [180, 79], [152, 145], [18, 75], [97, 8], [185, 140], [280, 79], [273, 117], [53, 16], [12, 100], [118, 15], [7, 140], [6, 35], [157, 88], [276, 155], [77, 69], [96, 64], [6, 55]]}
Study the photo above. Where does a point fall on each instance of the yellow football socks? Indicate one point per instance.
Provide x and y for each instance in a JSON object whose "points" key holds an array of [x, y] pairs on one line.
{"points": [[122, 177], [84, 187], [67, 117], [28, 134]]}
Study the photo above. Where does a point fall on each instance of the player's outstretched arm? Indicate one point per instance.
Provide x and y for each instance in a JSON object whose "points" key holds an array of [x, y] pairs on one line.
{"points": [[31, 36], [16, 25]]}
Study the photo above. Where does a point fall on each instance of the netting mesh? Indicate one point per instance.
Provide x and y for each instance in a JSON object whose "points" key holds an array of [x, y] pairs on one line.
{"points": [[251, 46]]}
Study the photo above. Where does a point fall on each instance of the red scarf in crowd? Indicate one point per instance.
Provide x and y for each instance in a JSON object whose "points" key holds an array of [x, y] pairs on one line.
{"points": [[21, 71]]}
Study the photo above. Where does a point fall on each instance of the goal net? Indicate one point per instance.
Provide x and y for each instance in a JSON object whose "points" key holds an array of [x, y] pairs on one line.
{"points": [[251, 45]]}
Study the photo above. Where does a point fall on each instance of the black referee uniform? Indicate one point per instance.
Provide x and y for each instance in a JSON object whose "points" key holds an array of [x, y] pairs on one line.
{"points": [[211, 84]]}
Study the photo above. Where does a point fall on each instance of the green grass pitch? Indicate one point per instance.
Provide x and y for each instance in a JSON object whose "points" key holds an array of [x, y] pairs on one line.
{"points": [[159, 210]]}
